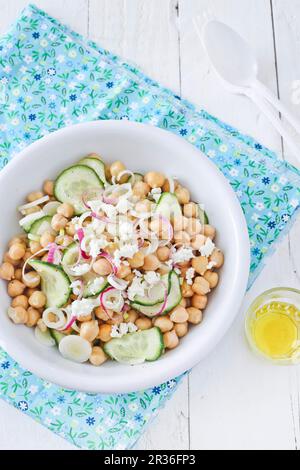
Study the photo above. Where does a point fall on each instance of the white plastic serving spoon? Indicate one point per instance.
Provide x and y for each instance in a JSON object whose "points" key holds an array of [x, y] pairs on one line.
{"points": [[234, 61]]}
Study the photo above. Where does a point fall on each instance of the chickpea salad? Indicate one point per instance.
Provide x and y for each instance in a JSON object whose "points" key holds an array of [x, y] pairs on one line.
{"points": [[111, 264]]}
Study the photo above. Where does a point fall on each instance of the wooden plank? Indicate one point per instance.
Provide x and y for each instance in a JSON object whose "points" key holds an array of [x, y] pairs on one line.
{"points": [[237, 401], [144, 33]]}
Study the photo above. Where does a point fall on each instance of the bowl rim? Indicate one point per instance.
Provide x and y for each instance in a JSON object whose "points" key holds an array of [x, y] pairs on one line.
{"points": [[240, 280]]}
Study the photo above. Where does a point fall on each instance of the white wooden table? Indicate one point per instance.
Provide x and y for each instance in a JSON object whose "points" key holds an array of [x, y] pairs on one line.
{"points": [[231, 400]]}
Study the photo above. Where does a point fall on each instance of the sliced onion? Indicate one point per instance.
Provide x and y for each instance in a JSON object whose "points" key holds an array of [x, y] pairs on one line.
{"points": [[117, 283], [80, 235], [57, 325], [125, 308], [52, 250], [41, 200], [164, 302], [86, 197], [29, 259], [110, 305], [82, 218], [31, 218], [125, 172], [152, 247], [169, 225], [70, 322], [171, 184]]}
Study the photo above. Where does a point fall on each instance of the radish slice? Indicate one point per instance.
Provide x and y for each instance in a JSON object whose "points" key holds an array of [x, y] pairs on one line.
{"points": [[58, 324], [41, 200], [44, 337], [117, 283], [51, 207], [75, 348]]}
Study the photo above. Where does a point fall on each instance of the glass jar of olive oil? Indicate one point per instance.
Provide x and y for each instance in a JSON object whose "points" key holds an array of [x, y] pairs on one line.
{"points": [[273, 325]]}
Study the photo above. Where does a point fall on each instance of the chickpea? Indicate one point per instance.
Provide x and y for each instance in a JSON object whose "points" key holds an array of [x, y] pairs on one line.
{"points": [[8, 259], [179, 315], [183, 302], [131, 316], [129, 277], [199, 301], [102, 315], [182, 237], [17, 251], [37, 299], [181, 329], [15, 288], [46, 238], [18, 315], [18, 274], [141, 189], [212, 278], [89, 330], [18, 239], [200, 286], [209, 231], [104, 332], [198, 241], [123, 271], [154, 179], [143, 323], [7, 271], [70, 229], [180, 223], [29, 291], [116, 168], [163, 253], [20, 301], [170, 339], [186, 290], [166, 186], [32, 279], [195, 315], [66, 209], [200, 264], [33, 317], [34, 196], [102, 267], [83, 318], [163, 323], [41, 325], [116, 319], [164, 269], [182, 195], [58, 222], [137, 260], [48, 187], [97, 356], [190, 209], [67, 240], [28, 255], [218, 258], [194, 227], [151, 263], [34, 247]]}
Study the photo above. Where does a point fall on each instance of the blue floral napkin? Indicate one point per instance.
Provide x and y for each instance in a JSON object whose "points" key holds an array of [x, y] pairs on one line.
{"points": [[50, 77]]}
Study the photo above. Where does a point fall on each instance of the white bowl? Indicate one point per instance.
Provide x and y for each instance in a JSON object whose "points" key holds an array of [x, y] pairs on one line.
{"points": [[141, 148]]}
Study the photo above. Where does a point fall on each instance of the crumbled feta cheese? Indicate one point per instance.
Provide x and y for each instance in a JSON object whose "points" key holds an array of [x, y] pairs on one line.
{"points": [[189, 276], [155, 193], [126, 251], [211, 264], [151, 277], [109, 210], [207, 248], [137, 273], [126, 231], [81, 269], [76, 287], [123, 205], [96, 245], [182, 254], [122, 329], [137, 287], [82, 307]]}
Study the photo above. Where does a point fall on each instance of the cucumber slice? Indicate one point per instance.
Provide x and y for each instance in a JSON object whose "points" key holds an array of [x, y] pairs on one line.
{"points": [[27, 221], [73, 182], [174, 297], [75, 348], [96, 165], [168, 206], [57, 336], [156, 294], [51, 207], [44, 337], [202, 216], [54, 281], [137, 347], [136, 178], [91, 286], [41, 225]]}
